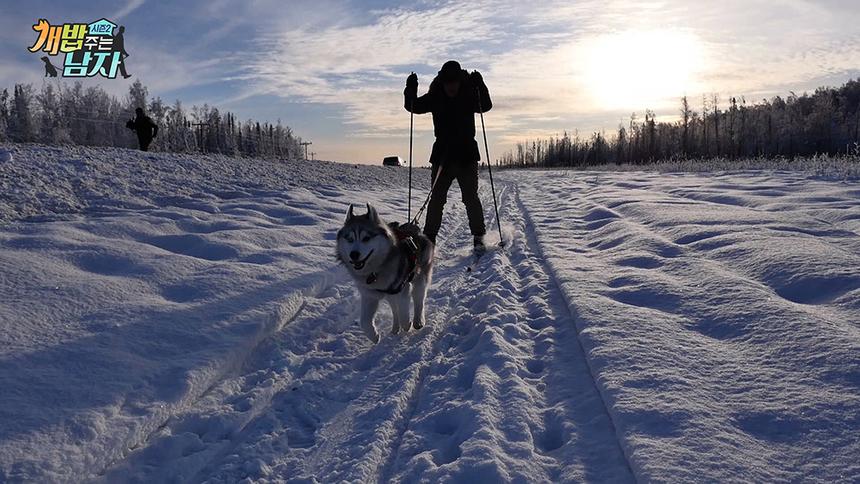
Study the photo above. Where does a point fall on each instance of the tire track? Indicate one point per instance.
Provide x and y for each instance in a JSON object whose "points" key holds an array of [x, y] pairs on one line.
{"points": [[535, 261], [534, 244], [510, 392], [385, 474]]}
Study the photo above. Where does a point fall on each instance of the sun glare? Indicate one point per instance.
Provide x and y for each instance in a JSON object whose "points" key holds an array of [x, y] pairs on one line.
{"points": [[635, 70]]}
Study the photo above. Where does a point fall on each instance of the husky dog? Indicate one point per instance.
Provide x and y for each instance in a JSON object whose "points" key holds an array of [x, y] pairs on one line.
{"points": [[388, 262]]}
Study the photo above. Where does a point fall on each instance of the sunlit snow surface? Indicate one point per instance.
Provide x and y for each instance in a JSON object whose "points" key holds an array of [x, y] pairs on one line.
{"points": [[720, 315], [181, 318]]}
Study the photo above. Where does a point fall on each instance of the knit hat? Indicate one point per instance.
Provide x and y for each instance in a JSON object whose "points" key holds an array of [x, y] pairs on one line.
{"points": [[451, 71]]}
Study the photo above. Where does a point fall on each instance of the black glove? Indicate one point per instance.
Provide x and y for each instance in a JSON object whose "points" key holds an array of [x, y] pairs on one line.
{"points": [[412, 82], [476, 78]]}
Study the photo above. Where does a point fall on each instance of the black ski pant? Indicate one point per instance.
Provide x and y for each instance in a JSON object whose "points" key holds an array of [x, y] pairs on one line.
{"points": [[466, 175], [144, 141]]}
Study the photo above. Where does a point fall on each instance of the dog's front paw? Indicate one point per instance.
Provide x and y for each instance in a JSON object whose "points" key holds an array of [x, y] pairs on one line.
{"points": [[418, 323]]}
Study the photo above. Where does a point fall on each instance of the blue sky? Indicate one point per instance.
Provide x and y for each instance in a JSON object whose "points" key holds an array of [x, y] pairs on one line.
{"points": [[334, 70]]}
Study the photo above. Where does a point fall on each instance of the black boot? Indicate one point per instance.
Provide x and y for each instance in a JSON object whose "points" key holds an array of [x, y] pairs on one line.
{"points": [[479, 243]]}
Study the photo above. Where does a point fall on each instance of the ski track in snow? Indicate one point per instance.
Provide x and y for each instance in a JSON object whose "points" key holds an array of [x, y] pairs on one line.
{"points": [[638, 326], [506, 396]]}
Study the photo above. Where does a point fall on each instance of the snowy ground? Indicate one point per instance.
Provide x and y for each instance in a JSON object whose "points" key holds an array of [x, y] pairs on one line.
{"points": [[178, 318]]}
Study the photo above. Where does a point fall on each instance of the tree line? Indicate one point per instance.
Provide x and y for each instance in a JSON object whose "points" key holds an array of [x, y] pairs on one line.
{"points": [[72, 114], [824, 122]]}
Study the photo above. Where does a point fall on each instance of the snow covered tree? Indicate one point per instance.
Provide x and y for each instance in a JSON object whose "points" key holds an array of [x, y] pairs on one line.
{"points": [[686, 114], [137, 94], [21, 124], [52, 123], [60, 114], [4, 115], [824, 122]]}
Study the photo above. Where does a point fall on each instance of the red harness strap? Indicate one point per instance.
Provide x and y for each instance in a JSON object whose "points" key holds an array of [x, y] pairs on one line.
{"points": [[411, 247]]}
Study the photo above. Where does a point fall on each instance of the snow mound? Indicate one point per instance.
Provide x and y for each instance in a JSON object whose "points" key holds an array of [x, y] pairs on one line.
{"points": [[49, 182], [135, 281], [718, 312]]}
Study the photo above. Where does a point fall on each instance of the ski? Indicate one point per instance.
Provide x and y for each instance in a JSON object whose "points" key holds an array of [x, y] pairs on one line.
{"points": [[476, 257], [477, 253]]}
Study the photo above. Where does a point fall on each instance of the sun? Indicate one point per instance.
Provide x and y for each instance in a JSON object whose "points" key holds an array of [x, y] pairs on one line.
{"points": [[635, 70]]}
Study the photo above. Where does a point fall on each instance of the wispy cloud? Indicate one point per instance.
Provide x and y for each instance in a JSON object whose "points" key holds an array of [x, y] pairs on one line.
{"points": [[129, 7], [537, 58], [361, 66]]}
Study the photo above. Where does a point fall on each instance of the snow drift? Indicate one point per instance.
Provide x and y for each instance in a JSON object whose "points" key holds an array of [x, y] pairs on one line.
{"points": [[181, 317]]}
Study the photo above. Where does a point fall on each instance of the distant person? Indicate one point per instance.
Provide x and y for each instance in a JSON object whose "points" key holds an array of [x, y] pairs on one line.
{"points": [[145, 128], [119, 46], [453, 99]]}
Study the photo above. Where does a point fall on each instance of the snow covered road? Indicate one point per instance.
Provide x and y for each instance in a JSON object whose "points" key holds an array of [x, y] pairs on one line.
{"points": [[640, 326]]}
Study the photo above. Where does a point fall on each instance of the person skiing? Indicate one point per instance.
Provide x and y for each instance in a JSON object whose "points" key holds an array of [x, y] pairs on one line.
{"points": [[145, 128], [453, 98]]}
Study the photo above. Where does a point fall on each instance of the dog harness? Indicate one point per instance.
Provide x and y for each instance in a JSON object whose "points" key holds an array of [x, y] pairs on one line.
{"points": [[406, 272]]}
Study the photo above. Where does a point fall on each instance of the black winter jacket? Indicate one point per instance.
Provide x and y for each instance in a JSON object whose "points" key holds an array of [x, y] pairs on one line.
{"points": [[144, 127], [453, 118]]}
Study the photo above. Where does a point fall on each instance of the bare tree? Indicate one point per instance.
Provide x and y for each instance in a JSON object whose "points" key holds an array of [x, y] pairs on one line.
{"points": [[686, 113]]}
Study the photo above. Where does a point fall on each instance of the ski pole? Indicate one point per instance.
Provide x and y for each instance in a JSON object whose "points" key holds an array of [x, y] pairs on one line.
{"points": [[490, 167], [411, 118]]}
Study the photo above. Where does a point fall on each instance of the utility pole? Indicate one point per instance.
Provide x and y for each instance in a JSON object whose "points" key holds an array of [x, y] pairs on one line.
{"points": [[305, 144]]}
